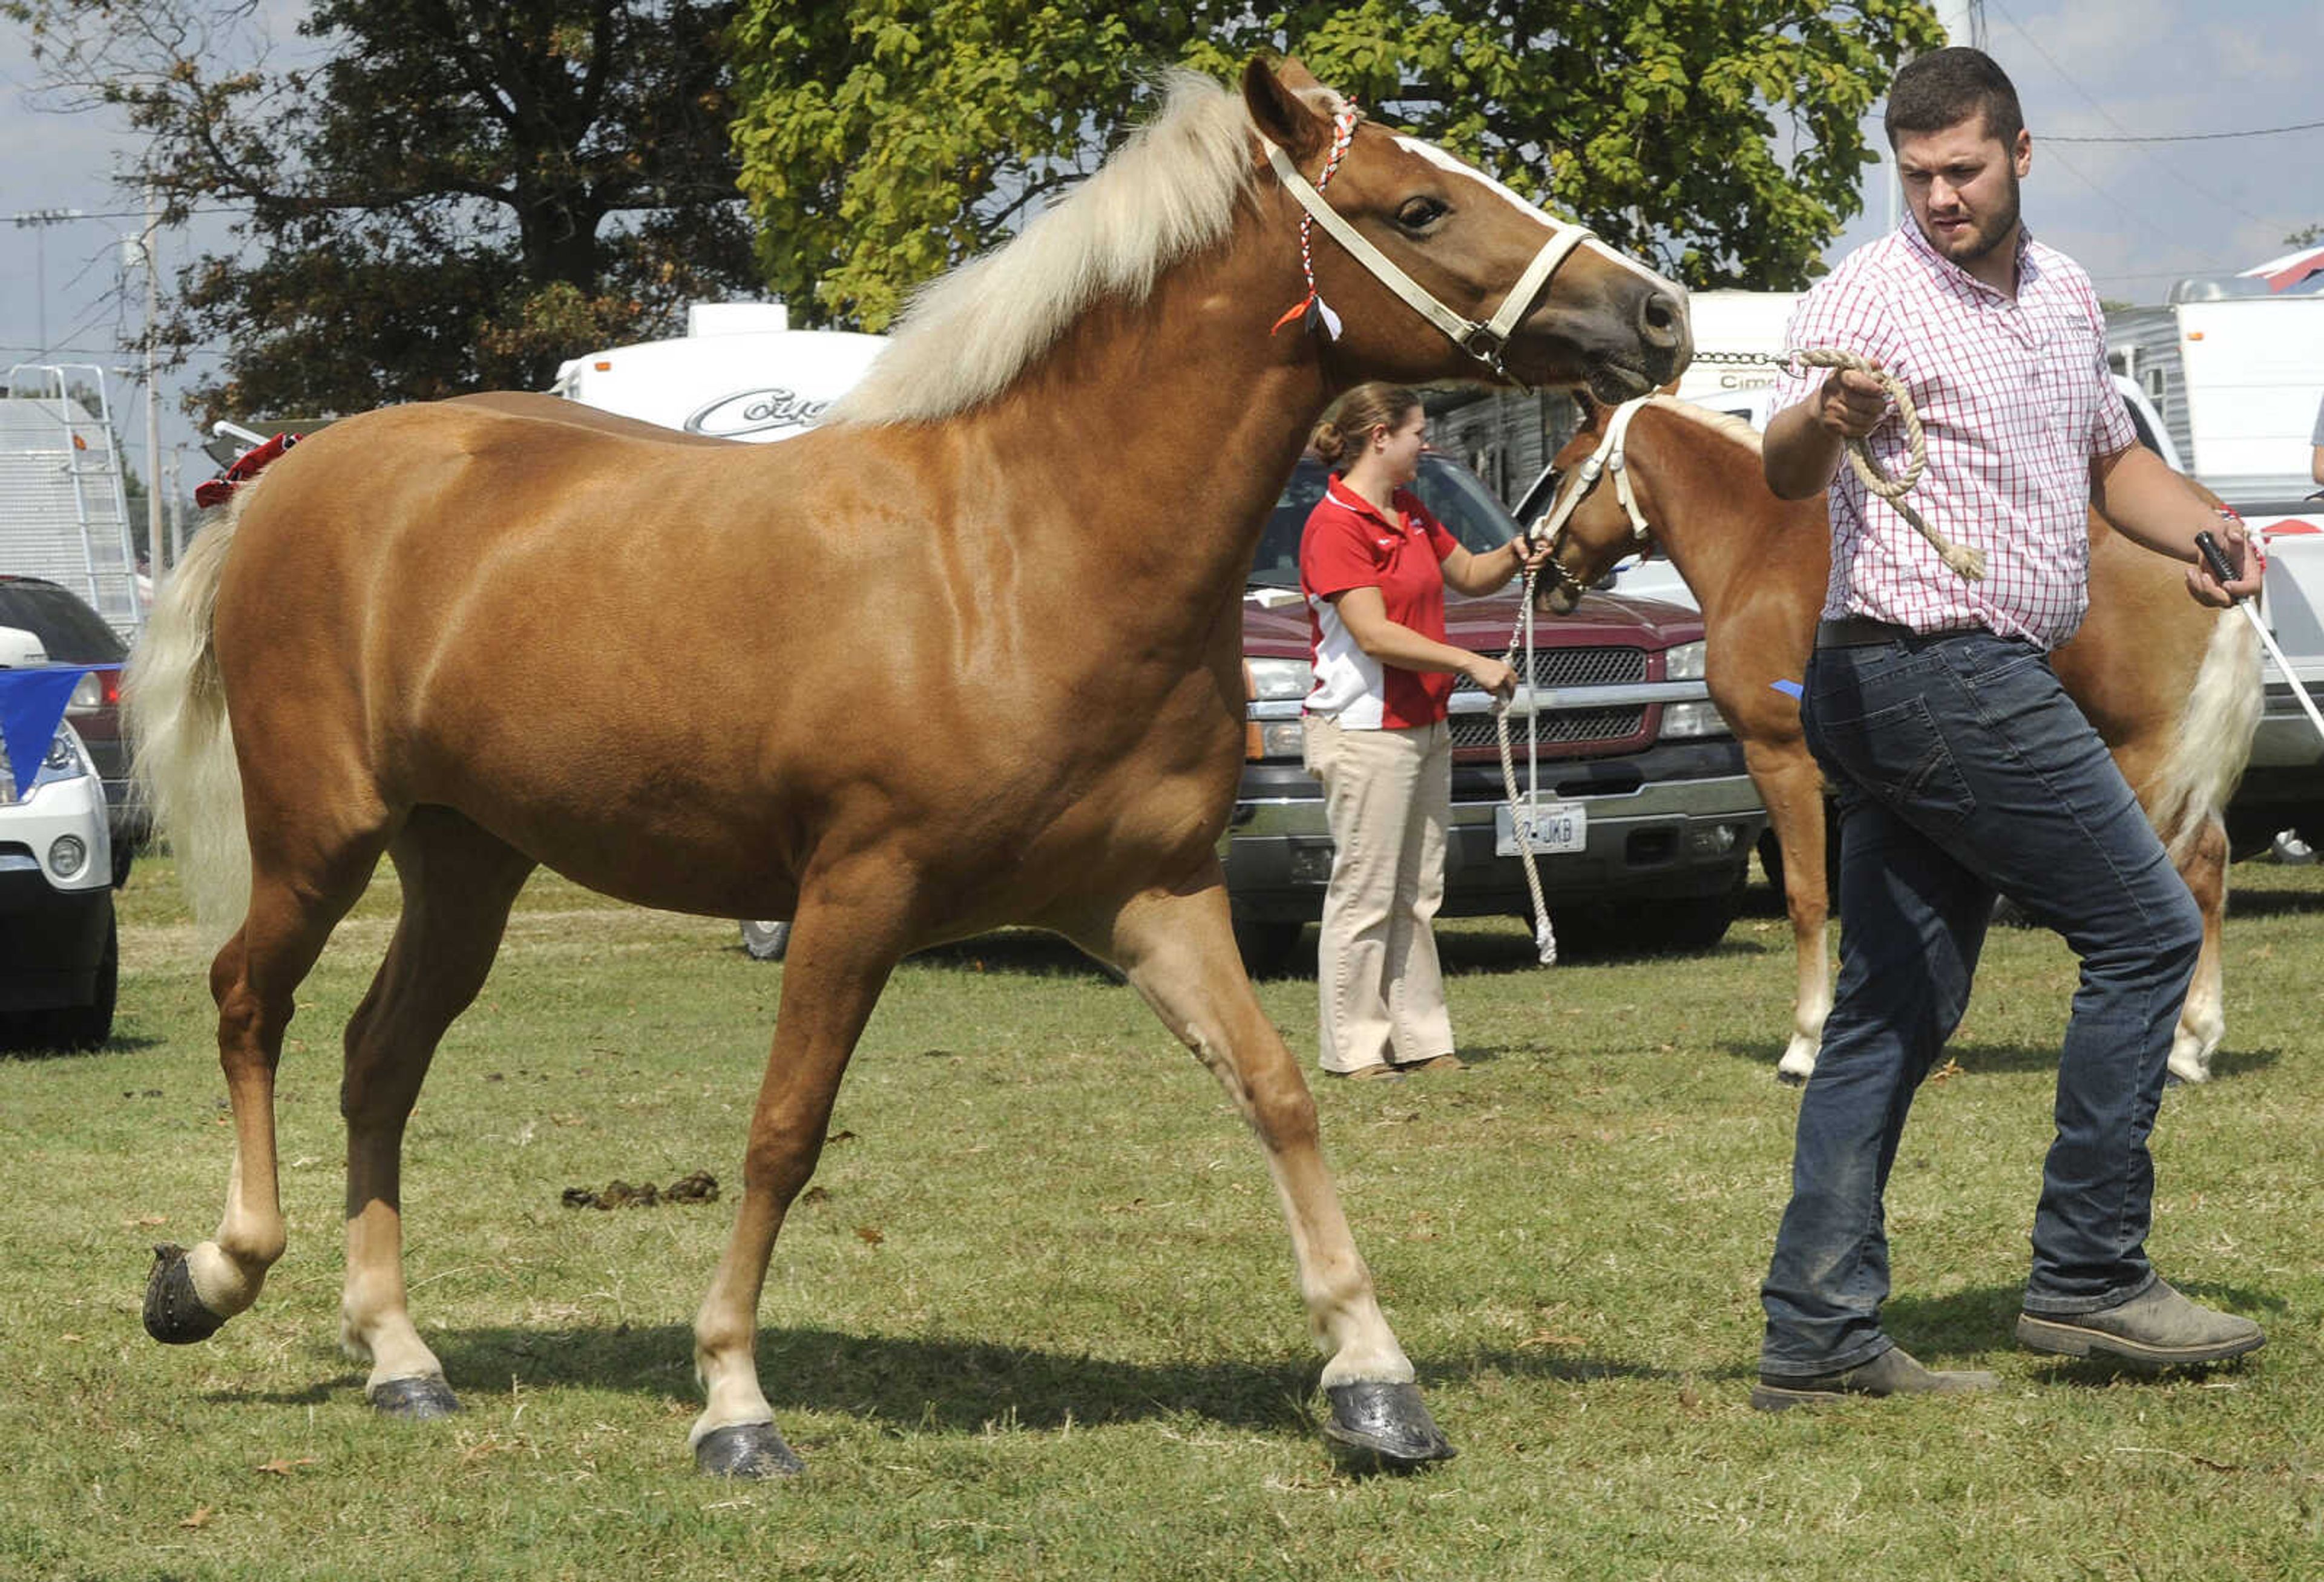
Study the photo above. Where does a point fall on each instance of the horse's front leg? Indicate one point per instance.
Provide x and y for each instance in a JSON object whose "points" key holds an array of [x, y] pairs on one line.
{"points": [[1178, 950], [849, 933], [1792, 786]]}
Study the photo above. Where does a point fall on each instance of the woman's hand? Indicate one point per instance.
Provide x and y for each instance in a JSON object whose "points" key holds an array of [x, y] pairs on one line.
{"points": [[1491, 675]]}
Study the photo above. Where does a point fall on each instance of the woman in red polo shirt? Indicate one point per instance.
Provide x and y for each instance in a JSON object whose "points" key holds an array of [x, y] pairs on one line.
{"points": [[1374, 565]]}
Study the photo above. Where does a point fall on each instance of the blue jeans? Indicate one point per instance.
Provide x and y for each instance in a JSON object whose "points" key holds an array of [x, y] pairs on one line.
{"points": [[1963, 770]]}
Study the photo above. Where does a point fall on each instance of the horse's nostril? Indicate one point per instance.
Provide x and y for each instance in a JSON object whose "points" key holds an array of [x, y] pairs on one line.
{"points": [[1661, 320]]}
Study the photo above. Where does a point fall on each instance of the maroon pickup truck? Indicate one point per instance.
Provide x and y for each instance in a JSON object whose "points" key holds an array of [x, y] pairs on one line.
{"points": [[1651, 819]]}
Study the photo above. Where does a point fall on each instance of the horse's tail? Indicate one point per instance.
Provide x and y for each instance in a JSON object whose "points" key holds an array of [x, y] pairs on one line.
{"points": [[174, 701], [2215, 737]]}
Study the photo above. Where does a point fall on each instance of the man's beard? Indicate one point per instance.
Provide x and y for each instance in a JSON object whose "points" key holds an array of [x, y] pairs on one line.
{"points": [[1989, 235]]}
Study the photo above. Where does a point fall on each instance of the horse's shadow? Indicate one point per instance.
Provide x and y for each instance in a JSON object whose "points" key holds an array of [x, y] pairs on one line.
{"points": [[952, 1385]]}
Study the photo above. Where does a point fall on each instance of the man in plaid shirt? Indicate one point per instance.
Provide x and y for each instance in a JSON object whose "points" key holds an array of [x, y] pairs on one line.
{"points": [[1962, 769]]}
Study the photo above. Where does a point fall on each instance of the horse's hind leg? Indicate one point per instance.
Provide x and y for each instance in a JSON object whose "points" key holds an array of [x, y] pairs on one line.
{"points": [[1178, 950], [2202, 1021], [293, 907], [458, 885], [851, 931]]}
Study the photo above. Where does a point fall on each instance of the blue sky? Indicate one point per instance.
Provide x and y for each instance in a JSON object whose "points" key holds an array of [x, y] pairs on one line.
{"points": [[2137, 216]]}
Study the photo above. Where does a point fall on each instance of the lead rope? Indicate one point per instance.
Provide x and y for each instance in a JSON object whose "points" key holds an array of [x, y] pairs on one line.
{"points": [[1544, 937]]}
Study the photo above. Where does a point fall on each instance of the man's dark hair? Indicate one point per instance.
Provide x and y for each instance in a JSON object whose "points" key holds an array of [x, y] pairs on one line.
{"points": [[1945, 87]]}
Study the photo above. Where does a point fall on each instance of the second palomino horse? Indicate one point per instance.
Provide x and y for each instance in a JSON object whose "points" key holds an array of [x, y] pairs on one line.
{"points": [[2171, 687], [978, 643]]}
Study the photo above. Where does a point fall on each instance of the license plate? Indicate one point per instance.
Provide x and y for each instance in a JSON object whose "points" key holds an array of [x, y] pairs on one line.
{"points": [[1548, 827]]}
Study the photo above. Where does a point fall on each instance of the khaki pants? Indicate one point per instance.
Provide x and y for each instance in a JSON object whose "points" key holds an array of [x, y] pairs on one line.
{"points": [[1388, 798]]}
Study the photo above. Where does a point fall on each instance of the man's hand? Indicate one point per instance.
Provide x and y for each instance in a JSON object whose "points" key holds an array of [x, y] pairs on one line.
{"points": [[2244, 554], [1850, 404]]}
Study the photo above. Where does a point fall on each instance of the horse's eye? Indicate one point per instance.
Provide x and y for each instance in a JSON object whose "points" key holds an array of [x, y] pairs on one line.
{"points": [[1419, 212]]}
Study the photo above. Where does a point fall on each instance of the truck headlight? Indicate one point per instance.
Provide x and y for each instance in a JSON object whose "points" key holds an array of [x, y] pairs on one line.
{"points": [[67, 855], [1694, 719], [1274, 680], [1280, 739], [1683, 661]]}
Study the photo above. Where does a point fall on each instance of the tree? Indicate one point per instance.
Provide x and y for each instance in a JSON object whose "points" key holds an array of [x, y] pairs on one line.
{"points": [[438, 196], [883, 140]]}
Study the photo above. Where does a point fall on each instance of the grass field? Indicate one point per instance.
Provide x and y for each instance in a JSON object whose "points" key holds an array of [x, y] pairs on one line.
{"points": [[1037, 1321]]}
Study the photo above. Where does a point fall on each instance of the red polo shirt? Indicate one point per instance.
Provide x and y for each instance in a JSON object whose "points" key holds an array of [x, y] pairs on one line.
{"points": [[1350, 544]]}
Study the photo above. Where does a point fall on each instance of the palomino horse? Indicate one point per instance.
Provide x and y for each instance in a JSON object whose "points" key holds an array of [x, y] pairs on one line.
{"points": [[979, 644], [2171, 687]]}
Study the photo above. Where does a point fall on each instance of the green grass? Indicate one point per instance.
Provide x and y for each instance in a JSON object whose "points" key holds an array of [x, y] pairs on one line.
{"points": [[1041, 1322]]}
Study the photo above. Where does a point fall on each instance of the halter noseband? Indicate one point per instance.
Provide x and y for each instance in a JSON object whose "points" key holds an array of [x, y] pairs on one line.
{"points": [[1483, 339], [1606, 458]]}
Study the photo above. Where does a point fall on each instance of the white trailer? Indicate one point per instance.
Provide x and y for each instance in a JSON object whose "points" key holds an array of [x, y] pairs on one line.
{"points": [[2237, 375], [63, 512], [739, 372]]}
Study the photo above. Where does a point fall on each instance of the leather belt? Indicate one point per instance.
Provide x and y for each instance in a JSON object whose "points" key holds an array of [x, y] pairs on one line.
{"points": [[1856, 631]]}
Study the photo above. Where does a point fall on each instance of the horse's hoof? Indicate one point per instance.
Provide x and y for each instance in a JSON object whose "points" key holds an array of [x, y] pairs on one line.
{"points": [[747, 1449], [1384, 1426], [415, 1399], [174, 1315], [1791, 1079]]}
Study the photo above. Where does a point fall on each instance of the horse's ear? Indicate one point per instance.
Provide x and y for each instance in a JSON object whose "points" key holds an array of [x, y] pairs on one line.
{"points": [[1277, 108]]}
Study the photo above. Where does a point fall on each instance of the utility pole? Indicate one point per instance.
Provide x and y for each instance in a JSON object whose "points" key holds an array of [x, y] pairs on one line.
{"points": [[39, 220], [156, 551], [177, 507]]}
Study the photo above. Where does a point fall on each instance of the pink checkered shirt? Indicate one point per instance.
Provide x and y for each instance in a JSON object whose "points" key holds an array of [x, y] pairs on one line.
{"points": [[2016, 402]]}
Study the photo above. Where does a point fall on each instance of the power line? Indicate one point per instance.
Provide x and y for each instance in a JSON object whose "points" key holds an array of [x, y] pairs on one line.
{"points": [[2194, 136]]}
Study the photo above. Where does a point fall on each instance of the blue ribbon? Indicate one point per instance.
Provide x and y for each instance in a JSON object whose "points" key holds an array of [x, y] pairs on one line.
{"points": [[1790, 689], [32, 705]]}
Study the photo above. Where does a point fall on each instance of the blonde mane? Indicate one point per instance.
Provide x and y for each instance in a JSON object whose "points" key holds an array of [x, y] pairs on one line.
{"points": [[1726, 423], [1169, 191]]}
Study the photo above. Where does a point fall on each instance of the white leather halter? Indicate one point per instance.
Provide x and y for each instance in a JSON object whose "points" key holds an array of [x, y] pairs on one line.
{"points": [[1483, 339], [1606, 458]]}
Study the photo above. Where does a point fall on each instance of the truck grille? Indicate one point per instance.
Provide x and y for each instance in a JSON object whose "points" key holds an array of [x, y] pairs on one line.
{"points": [[1570, 731], [1568, 728]]}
